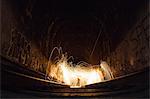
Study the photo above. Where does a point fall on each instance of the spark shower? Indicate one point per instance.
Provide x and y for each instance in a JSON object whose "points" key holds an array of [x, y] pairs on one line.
{"points": [[62, 69]]}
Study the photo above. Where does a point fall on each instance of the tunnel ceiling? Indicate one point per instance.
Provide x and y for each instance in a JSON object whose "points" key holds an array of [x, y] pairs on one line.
{"points": [[76, 23]]}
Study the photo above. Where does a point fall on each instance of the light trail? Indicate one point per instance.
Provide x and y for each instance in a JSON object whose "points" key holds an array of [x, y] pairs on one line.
{"points": [[75, 75]]}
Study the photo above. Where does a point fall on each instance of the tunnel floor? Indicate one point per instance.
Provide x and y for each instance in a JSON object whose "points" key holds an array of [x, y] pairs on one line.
{"points": [[20, 82]]}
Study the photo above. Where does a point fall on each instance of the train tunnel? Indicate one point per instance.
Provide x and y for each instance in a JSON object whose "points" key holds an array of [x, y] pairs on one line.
{"points": [[38, 35]]}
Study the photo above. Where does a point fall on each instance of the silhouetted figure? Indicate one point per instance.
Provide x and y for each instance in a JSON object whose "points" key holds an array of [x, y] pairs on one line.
{"points": [[78, 82]]}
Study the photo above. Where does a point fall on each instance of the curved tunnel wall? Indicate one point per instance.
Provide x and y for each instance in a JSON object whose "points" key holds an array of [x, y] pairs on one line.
{"points": [[19, 42], [14, 44], [133, 53]]}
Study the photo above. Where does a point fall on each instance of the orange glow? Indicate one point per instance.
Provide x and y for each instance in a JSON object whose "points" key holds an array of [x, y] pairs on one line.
{"points": [[79, 75]]}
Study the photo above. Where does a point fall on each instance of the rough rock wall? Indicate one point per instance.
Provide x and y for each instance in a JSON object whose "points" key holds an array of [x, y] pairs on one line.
{"points": [[15, 45], [133, 53], [18, 31]]}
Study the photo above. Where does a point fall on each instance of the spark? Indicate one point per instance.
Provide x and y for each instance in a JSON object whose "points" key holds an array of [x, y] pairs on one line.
{"points": [[75, 75]]}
